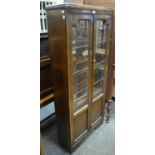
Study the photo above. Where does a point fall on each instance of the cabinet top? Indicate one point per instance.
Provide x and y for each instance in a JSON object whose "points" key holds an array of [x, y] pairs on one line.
{"points": [[77, 6]]}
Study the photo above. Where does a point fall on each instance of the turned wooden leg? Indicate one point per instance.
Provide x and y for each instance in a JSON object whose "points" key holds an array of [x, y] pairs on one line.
{"points": [[107, 111]]}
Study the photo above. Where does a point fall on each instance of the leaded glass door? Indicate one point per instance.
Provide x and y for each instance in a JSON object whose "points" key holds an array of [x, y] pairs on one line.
{"points": [[81, 28], [102, 34], [80, 58]]}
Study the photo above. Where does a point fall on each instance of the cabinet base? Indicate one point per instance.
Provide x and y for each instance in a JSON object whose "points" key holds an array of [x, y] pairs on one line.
{"points": [[86, 135]]}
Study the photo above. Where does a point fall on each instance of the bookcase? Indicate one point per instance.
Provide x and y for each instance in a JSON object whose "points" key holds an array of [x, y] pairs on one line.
{"points": [[79, 44]]}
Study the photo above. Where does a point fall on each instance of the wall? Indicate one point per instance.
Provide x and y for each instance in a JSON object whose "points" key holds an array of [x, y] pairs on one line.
{"points": [[106, 3], [74, 1]]}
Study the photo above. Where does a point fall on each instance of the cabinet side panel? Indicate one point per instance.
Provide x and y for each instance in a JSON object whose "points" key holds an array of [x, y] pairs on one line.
{"points": [[58, 52]]}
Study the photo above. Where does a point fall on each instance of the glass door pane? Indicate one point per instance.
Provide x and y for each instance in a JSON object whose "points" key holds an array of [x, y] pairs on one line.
{"points": [[99, 57], [80, 59]]}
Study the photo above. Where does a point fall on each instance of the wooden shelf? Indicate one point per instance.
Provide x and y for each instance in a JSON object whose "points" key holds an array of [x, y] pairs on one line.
{"points": [[99, 63], [80, 60], [46, 100], [98, 81], [100, 51], [81, 71], [77, 47]]}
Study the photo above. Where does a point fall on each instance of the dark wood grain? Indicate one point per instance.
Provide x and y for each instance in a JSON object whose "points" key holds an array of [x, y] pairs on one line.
{"points": [[57, 50]]}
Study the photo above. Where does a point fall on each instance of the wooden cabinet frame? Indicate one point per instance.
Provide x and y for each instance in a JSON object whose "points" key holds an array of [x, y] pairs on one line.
{"points": [[74, 126]]}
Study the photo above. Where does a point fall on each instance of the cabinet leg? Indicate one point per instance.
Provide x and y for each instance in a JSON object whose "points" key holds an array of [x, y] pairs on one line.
{"points": [[107, 111]]}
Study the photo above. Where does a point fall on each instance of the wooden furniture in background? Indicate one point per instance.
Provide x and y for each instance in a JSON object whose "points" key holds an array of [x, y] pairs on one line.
{"points": [[79, 45], [46, 89], [105, 3]]}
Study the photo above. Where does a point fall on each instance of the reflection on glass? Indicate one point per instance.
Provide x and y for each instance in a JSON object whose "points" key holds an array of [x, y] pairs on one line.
{"points": [[80, 62], [99, 60]]}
